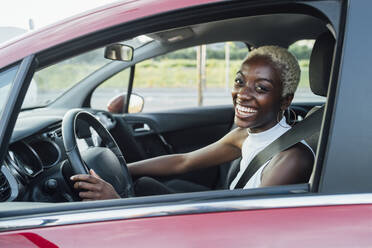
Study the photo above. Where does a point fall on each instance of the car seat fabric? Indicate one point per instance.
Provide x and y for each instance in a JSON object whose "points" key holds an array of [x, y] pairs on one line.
{"points": [[312, 141], [319, 71], [146, 186], [233, 171], [321, 63]]}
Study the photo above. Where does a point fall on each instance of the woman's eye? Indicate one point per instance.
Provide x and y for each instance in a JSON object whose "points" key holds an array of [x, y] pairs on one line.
{"points": [[261, 88], [238, 82]]}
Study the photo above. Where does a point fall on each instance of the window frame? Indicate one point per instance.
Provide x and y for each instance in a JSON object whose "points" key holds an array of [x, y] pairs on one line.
{"points": [[14, 101]]}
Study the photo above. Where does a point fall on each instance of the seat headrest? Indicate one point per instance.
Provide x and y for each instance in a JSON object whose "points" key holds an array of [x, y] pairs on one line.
{"points": [[321, 63]]}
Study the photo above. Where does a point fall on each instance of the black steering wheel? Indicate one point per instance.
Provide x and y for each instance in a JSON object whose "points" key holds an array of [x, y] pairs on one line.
{"points": [[107, 160]]}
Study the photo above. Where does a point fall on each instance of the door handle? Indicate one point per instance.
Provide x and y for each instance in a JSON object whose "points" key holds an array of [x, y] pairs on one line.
{"points": [[140, 128]]}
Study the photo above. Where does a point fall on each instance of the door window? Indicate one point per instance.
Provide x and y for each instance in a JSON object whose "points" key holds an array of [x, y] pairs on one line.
{"points": [[117, 84]]}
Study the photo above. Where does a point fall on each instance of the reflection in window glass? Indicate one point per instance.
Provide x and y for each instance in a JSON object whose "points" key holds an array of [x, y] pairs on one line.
{"points": [[6, 80], [49, 83]]}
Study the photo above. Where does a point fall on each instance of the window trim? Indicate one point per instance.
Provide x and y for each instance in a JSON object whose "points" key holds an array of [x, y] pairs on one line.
{"points": [[150, 211]]}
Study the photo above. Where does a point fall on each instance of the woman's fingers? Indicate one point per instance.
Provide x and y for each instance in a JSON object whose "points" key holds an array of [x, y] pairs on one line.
{"points": [[86, 186], [85, 177], [93, 187], [89, 195], [93, 173]]}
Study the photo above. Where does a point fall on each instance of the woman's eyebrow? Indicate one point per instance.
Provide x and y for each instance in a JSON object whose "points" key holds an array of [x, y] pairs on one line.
{"points": [[265, 79], [239, 73]]}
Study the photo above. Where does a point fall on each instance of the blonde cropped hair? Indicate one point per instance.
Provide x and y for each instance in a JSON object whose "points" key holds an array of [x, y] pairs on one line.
{"points": [[284, 61]]}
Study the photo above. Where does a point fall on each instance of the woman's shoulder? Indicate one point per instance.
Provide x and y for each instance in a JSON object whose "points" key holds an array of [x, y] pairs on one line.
{"points": [[293, 165], [300, 150], [300, 153]]}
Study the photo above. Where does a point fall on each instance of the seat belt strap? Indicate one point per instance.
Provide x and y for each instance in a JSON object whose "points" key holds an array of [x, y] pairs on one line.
{"points": [[299, 132]]}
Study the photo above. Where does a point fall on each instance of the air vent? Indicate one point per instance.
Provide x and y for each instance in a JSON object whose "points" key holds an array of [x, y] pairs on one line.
{"points": [[55, 130], [4, 188], [59, 132]]}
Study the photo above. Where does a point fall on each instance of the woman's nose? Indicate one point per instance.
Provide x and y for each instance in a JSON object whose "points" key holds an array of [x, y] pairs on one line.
{"points": [[245, 93]]}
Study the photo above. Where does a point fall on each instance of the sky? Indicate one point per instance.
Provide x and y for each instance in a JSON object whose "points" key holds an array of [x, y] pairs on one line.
{"points": [[17, 13]]}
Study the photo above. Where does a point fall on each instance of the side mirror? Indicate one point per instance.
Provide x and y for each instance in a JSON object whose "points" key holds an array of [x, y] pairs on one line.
{"points": [[119, 52], [117, 104]]}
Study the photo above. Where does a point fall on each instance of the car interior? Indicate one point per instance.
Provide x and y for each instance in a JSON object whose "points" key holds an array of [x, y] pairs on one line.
{"points": [[38, 164]]}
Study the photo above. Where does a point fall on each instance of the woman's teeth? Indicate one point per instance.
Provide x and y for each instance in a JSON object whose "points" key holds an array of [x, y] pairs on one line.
{"points": [[245, 111]]}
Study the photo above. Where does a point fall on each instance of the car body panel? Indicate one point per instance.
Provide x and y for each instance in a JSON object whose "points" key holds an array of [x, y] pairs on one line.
{"points": [[87, 23], [330, 226]]}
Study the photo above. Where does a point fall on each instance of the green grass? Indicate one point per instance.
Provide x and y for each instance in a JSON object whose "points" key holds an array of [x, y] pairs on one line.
{"points": [[167, 73], [182, 73], [62, 76]]}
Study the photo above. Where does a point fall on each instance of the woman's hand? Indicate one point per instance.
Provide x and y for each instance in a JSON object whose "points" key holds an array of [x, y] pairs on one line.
{"points": [[93, 187]]}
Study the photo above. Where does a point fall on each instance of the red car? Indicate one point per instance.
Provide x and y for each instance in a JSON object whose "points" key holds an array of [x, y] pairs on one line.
{"points": [[76, 66]]}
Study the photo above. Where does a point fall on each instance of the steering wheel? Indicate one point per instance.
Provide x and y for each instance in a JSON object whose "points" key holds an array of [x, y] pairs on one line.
{"points": [[107, 161]]}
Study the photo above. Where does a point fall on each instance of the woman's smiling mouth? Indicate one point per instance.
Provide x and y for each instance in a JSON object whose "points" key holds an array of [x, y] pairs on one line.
{"points": [[244, 112]]}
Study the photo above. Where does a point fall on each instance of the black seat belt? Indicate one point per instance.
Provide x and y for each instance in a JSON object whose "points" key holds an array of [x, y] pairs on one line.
{"points": [[299, 132]]}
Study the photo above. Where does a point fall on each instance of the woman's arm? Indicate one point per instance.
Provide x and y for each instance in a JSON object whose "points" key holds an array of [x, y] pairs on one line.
{"points": [[226, 149]]}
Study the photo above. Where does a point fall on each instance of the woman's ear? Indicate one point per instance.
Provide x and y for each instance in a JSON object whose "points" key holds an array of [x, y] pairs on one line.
{"points": [[286, 101]]}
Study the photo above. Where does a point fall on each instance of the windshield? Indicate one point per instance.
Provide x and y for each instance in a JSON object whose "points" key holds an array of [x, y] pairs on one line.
{"points": [[51, 82]]}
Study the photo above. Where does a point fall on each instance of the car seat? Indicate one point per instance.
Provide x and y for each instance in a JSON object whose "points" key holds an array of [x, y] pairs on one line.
{"points": [[319, 71]]}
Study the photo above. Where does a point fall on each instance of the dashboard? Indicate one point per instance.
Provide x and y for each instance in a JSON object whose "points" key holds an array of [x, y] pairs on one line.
{"points": [[36, 167]]}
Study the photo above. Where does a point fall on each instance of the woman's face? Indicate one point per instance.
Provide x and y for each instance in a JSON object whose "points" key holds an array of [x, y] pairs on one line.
{"points": [[257, 95]]}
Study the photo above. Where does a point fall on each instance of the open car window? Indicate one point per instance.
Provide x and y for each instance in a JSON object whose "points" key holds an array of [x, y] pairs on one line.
{"points": [[173, 85], [170, 81]]}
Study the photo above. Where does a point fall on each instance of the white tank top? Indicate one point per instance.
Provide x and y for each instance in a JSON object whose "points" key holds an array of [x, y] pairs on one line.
{"points": [[252, 145]]}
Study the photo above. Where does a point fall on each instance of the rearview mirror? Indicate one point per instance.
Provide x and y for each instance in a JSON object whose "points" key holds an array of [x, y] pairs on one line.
{"points": [[117, 104], [119, 52]]}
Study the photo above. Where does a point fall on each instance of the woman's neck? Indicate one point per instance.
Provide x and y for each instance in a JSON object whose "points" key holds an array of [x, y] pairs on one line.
{"points": [[266, 126], [282, 123]]}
